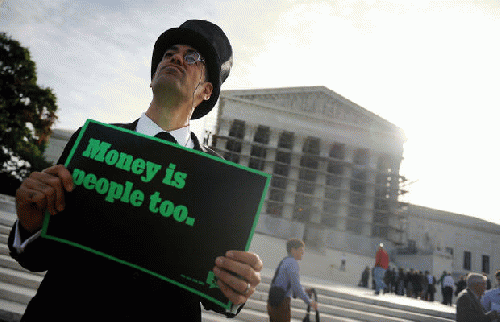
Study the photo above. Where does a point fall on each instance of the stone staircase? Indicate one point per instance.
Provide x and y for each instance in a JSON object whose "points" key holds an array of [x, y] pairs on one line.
{"points": [[348, 304], [337, 302], [17, 285]]}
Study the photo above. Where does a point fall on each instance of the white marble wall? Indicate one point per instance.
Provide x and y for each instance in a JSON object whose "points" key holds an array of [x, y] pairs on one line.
{"points": [[439, 231]]}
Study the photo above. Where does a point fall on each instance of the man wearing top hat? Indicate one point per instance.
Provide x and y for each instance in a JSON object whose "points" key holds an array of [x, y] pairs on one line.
{"points": [[189, 64]]}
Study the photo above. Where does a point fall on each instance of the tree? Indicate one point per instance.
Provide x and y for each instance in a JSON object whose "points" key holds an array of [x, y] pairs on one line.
{"points": [[27, 113]]}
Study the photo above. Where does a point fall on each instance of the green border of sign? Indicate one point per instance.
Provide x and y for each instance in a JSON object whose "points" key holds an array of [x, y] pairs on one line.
{"points": [[247, 246]]}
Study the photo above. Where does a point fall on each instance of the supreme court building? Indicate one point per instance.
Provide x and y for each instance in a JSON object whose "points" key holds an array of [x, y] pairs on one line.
{"points": [[334, 165]]}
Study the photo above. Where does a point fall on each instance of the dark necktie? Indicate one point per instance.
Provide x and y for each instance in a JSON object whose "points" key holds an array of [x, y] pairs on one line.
{"points": [[166, 136]]}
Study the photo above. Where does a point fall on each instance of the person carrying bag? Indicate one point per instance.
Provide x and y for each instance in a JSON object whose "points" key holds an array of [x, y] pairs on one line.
{"points": [[276, 293], [286, 283]]}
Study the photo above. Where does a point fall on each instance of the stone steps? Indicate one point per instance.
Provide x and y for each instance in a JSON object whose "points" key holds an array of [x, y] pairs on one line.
{"points": [[10, 311], [18, 286], [4, 249], [333, 308], [20, 278], [370, 304], [15, 293]]}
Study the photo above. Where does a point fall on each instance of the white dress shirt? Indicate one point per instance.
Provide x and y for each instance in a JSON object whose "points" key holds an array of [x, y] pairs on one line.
{"points": [[148, 127], [448, 281]]}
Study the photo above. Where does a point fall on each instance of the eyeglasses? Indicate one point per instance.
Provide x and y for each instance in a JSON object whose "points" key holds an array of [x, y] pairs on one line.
{"points": [[190, 57]]}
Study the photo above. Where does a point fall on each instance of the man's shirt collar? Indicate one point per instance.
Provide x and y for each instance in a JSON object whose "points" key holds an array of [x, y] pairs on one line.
{"points": [[146, 126]]}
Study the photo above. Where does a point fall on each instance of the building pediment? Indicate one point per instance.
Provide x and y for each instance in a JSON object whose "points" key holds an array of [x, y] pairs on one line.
{"points": [[317, 101]]}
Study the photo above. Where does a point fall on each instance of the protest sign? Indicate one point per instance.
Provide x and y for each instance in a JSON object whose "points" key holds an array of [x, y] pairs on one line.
{"points": [[156, 206]]}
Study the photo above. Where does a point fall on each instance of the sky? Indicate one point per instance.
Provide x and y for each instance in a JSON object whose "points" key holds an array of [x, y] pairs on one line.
{"points": [[430, 67]]}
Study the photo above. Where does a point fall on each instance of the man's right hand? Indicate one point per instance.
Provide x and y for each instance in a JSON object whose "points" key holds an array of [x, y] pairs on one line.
{"points": [[40, 192]]}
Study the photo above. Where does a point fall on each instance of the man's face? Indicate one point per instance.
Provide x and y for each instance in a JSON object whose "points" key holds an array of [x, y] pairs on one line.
{"points": [[480, 288], [298, 253], [174, 73]]}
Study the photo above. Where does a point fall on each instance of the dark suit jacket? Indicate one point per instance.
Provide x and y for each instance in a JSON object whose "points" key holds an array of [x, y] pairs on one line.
{"points": [[79, 286], [469, 309]]}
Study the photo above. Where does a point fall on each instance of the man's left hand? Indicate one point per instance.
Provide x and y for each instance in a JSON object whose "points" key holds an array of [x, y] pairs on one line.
{"points": [[238, 274]]}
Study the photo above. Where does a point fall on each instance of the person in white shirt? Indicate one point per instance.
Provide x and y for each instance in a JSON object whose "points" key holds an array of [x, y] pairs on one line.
{"points": [[448, 284]]}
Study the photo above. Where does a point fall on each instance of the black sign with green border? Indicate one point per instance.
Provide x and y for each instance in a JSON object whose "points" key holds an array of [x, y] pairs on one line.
{"points": [[158, 207]]}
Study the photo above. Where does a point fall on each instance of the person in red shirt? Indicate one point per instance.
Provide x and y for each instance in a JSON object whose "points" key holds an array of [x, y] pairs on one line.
{"points": [[381, 265]]}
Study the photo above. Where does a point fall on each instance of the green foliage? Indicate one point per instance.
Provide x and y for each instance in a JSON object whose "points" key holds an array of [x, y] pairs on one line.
{"points": [[27, 113]]}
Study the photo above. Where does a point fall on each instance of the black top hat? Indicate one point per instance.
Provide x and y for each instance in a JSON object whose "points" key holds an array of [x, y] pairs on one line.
{"points": [[213, 45]]}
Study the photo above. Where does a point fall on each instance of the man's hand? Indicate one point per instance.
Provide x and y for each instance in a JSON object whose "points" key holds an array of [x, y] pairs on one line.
{"points": [[42, 191], [238, 275], [314, 304]]}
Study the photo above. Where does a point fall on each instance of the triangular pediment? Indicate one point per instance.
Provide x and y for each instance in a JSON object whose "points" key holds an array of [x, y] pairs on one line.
{"points": [[316, 101]]}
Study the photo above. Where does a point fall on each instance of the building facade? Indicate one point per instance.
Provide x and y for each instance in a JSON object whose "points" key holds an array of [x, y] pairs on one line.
{"points": [[334, 165], [445, 241]]}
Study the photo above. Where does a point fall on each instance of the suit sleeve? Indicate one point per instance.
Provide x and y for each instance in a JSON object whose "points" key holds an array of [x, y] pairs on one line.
{"points": [[293, 271], [468, 312], [39, 254], [465, 310]]}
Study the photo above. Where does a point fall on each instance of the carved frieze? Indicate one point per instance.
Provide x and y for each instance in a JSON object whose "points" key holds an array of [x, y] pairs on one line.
{"points": [[314, 103]]}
